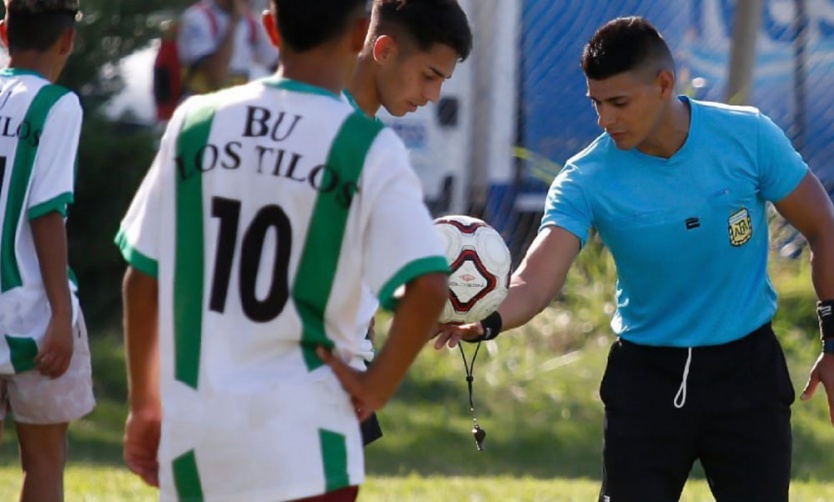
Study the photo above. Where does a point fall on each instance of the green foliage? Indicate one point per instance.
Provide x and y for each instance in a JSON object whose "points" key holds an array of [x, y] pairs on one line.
{"points": [[112, 161], [536, 389]]}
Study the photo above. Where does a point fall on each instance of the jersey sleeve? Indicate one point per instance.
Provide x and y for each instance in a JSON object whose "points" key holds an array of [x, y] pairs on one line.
{"points": [[139, 235], [53, 173], [400, 241], [781, 168], [566, 205], [195, 39]]}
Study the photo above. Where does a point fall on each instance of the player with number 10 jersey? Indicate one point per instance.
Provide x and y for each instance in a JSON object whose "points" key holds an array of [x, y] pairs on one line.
{"points": [[266, 210]]}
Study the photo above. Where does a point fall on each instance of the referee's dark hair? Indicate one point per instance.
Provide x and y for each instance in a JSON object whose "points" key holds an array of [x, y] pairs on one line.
{"points": [[626, 44], [425, 23], [305, 24], [37, 32]]}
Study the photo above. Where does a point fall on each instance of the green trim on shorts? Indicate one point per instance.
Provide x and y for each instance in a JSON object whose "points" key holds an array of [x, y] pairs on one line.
{"points": [[187, 478], [334, 455], [23, 351], [320, 255], [189, 256], [416, 268]]}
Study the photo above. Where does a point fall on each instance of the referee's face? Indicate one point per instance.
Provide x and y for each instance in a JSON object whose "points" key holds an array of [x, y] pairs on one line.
{"points": [[628, 107]]}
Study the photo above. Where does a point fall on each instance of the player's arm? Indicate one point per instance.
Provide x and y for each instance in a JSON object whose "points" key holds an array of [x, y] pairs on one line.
{"points": [[141, 330], [50, 191], [810, 211], [50, 238], [533, 285], [415, 320], [540, 276]]}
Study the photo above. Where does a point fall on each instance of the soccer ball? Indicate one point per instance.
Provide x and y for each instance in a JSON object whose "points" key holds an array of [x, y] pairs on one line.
{"points": [[480, 265]]}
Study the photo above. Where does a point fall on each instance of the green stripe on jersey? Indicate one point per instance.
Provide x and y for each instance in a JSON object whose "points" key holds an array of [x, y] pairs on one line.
{"points": [[24, 162], [187, 478], [335, 458], [189, 257], [320, 255]]}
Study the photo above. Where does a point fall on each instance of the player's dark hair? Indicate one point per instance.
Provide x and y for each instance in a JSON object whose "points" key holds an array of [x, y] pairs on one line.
{"points": [[37, 32], [426, 22], [305, 24], [626, 44]]}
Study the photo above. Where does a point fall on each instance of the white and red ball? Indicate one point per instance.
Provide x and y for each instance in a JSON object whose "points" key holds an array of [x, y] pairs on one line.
{"points": [[480, 265]]}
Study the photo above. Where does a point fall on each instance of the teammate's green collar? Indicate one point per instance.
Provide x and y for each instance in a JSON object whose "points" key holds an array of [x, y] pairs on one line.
{"points": [[351, 99], [296, 86], [356, 106]]}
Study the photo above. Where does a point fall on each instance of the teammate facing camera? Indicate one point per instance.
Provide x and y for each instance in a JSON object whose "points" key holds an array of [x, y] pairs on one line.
{"points": [[411, 49]]}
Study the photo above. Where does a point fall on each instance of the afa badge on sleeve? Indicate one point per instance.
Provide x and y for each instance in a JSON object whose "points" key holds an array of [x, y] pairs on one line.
{"points": [[741, 227]]}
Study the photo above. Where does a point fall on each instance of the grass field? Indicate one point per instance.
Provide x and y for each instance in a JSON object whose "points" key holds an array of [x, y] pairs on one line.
{"points": [[535, 393]]}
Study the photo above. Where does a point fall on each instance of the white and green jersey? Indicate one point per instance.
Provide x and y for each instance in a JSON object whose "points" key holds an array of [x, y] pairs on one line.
{"points": [[40, 124], [268, 209], [370, 304]]}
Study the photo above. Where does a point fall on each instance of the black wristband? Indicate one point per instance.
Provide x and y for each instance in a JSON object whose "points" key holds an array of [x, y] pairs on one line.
{"points": [[825, 313], [492, 327]]}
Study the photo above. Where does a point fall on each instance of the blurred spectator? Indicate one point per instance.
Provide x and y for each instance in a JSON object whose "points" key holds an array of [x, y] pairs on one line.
{"points": [[220, 43]]}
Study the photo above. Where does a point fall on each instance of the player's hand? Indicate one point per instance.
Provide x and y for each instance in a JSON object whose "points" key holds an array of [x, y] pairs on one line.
{"points": [[54, 357], [141, 443], [822, 373], [356, 383], [451, 334]]}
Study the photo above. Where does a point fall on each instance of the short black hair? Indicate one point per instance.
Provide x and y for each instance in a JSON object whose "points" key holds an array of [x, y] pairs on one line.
{"points": [[305, 24], [37, 32], [625, 44], [426, 22]]}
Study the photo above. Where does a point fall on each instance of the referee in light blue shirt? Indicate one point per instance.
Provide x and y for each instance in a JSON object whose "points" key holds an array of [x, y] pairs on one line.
{"points": [[677, 190]]}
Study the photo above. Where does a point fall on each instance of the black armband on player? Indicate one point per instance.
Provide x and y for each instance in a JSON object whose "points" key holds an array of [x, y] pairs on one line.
{"points": [[491, 326], [825, 313]]}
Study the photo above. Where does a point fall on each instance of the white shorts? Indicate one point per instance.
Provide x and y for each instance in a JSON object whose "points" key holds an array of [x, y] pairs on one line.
{"points": [[286, 441], [33, 398]]}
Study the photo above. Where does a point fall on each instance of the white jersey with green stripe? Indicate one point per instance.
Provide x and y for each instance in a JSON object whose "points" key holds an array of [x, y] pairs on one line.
{"points": [[40, 124], [270, 210]]}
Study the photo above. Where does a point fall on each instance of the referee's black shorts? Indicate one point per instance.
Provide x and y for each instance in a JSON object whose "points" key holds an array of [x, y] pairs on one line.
{"points": [[733, 413]]}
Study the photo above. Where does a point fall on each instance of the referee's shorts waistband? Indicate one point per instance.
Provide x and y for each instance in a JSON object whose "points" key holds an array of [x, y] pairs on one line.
{"points": [[751, 337]]}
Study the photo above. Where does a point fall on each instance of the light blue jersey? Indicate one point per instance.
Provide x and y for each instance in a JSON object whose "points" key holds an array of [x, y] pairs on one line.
{"points": [[688, 234]]}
